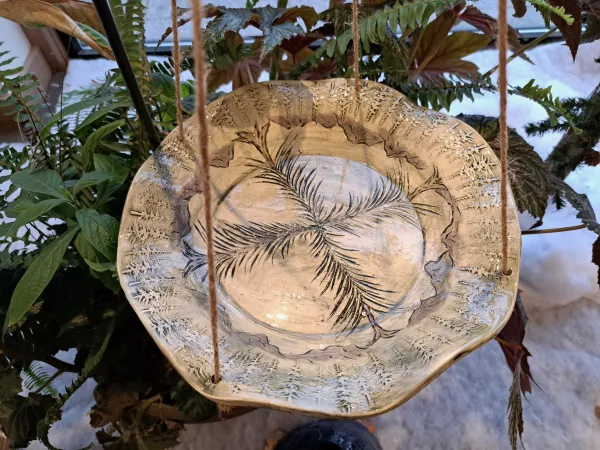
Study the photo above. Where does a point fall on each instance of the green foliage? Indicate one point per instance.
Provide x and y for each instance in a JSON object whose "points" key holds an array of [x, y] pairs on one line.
{"points": [[274, 34], [68, 185], [36, 379], [552, 105], [37, 277], [547, 10], [192, 404], [515, 409], [20, 93], [530, 179], [442, 92]]}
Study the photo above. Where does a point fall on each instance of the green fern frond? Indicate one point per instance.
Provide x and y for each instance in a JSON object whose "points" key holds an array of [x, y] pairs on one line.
{"points": [[546, 10], [35, 378], [442, 92], [553, 106], [377, 28], [130, 19], [21, 94], [404, 14]]}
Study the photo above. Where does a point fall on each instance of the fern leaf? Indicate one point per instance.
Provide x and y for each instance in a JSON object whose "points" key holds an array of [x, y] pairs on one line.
{"points": [[546, 10], [35, 378], [21, 93], [405, 14], [442, 92], [515, 409], [553, 106]]}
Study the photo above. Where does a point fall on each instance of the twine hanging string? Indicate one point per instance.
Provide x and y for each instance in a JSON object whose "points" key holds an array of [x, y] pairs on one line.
{"points": [[502, 87], [356, 43], [206, 186], [177, 67]]}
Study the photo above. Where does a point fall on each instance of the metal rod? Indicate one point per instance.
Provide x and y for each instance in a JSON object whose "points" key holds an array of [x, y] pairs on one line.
{"points": [[554, 230], [116, 44]]}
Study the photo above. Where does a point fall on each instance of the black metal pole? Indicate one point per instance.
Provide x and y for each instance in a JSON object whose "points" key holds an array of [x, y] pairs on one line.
{"points": [[114, 39]]}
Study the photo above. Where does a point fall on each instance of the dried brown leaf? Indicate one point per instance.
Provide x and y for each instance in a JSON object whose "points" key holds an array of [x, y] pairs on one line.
{"points": [[81, 12], [32, 13]]}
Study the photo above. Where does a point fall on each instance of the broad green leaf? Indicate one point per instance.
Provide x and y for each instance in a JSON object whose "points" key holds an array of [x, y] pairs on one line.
{"points": [[230, 19], [92, 179], [101, 112], [96, 137], [72, 109], [112, 165], [162, 81], [85, 249], [95, 35], [42, 181], [102, 230], [18, 206], [32, 213], [101, 267], [274, 34], [36, 278]]}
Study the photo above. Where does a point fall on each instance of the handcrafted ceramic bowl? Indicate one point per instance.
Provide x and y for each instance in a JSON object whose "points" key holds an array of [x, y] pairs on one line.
{"points": [[357, 248]]}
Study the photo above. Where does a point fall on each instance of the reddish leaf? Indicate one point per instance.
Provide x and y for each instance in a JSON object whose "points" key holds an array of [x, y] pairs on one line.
{"points": [[489, 26], [511, 341], [591, 157], [297, 43], [520, 8], [571, 33], [439, 53], [240, 73], [596, 256]]}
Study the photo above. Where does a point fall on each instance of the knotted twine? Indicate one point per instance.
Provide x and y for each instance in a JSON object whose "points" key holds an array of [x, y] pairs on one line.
{"points": [[502, 87], [203, 163], [203, 137]]}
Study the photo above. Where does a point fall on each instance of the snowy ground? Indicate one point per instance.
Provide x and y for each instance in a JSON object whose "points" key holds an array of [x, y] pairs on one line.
{"points": [[465, 408]]}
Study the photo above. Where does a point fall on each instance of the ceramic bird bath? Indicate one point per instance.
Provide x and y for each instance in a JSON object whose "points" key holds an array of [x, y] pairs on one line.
{"points": [[357, 248]]}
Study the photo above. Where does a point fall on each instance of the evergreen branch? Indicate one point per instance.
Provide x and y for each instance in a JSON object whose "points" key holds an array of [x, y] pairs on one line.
{"points": [[515, 408], [546, 10], [553, 106], [356, 295], [442, 92]]}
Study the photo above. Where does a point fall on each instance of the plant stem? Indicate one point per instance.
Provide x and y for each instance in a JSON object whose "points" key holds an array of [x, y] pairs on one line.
{"points": [[522, 50], [553, 230], [33, 356], [275, 54]]}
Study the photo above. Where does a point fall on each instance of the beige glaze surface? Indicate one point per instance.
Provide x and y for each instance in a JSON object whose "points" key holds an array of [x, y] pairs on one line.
{"points": [[357, 248]]}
